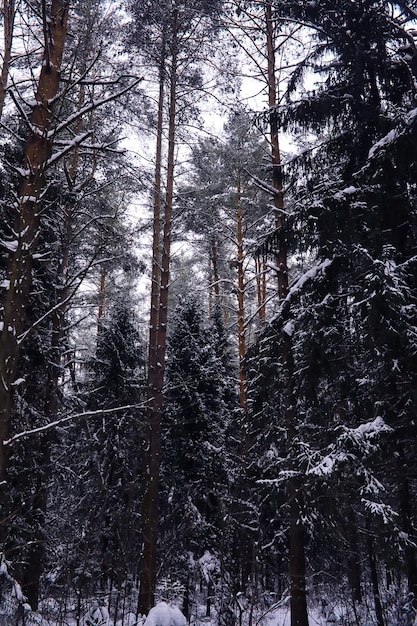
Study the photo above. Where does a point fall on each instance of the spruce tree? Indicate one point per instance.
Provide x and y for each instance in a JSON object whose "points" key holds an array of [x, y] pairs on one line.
{"points": [[352, 216], [97, 475], [196, 463]]}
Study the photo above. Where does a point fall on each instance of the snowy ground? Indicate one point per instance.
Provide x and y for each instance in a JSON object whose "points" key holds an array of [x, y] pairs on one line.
{"points": [[163, 615]]}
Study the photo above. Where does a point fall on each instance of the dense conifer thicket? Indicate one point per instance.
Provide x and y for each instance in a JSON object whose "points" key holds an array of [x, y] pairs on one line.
{"points": [[208, 311]]}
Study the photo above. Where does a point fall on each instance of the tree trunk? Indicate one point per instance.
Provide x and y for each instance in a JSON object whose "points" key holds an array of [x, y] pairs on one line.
{"points": [[406, 514], [149, 510], [354, 568], [35, 559], [157, 365], [281, 253], [101, 295], [375, 583], [38, 150], [9, 11], [215, 263], [260, 269], [299, 614], [240, 300]]}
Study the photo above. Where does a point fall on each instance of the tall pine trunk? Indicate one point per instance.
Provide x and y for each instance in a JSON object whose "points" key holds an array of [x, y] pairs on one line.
{"points": [[241, 299], [36, 555], [156, 377], [214, 259], [374, 580], [407, 522], [27, 224], [297, 567], [260, 269], [149, 510]]}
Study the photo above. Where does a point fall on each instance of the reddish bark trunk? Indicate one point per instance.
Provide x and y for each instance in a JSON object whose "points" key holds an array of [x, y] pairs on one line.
{"points": [[281, 253], [38, 150], [157, 361], [260, 269], [299, 615], [241, 301]]}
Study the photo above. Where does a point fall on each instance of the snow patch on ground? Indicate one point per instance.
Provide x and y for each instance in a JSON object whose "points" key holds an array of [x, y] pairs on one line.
{"points": [[163, 614]]}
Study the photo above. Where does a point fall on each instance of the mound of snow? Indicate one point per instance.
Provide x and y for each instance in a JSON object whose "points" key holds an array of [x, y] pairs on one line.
{"points": [[162, 614]]}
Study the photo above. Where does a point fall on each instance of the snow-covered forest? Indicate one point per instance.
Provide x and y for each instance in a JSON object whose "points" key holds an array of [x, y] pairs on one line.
{"points": [[208, 312]]}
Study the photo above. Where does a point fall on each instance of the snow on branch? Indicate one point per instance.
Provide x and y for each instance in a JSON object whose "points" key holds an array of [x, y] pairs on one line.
{"points": [[384, 511], [76, 141], [362, 438], [69, 418], [94, 105], [393, 134], [309, 275], [264, 186], [13, 602]]}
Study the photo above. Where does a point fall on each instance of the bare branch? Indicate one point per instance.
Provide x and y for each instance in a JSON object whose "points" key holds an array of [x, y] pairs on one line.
{"points": [[64, 420]]}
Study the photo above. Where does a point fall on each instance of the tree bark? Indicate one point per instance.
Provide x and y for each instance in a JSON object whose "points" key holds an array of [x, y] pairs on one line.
{"points": [[215, 263], [297, 567], [299, 614], [27, 227], [9, 11], [281, 253], [157, 363], [260, 269], [375, 583], [410, 551], [36, 554], [241, 300], [354, 567]]}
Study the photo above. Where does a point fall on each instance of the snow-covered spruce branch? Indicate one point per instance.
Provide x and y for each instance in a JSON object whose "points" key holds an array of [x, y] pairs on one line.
{"points": [[362, 439], [94, 147], [310, 274], [264, 186], [69, 418], [105, 82]]}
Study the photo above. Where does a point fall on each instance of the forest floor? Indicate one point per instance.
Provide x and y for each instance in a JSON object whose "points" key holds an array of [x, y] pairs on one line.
{"points": [[277, 617], [323, 611]]}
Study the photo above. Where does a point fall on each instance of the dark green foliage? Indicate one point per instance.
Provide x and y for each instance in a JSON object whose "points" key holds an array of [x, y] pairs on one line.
{"points": [[364, 60], [101, 490], [196, 467], [119, 361], [340, 357]]}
